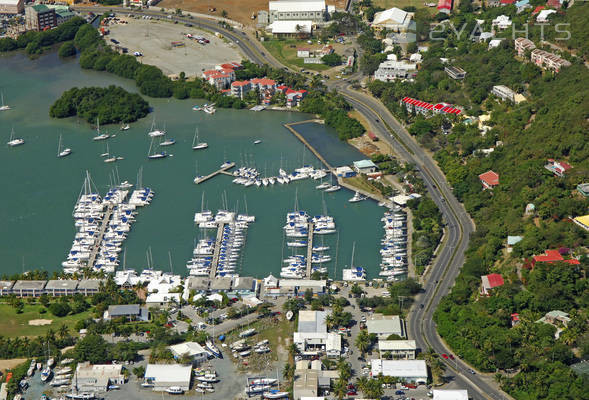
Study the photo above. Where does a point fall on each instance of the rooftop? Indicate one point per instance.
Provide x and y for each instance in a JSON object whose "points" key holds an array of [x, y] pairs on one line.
{"points": [[383, 324], [123, 310], [387, 345], [296, 5], [5, 285], [450, 394], [90, 284], [364, 164], [87, 370], [394, 14], [399, 368], [493, 280], [66, 284], [168, 373], [29, 285], [490, 177], [290, 26], [190, 348], [312, 321]]}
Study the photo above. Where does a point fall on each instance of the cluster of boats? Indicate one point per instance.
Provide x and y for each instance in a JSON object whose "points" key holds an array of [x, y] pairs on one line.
{"points": [[159, 135], [207, 108], [59, 377], [205, 380], [102, 225], [394, 244], [243, 349], [248, 176], [224, 254], [264, 387]]}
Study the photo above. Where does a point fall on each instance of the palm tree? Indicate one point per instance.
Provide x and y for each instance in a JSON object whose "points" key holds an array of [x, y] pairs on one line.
{"points": [[340, 389], [374, 389], [344, 369], [293, 350], [63, 331], [362, 383], [362, 342], [288, 371]]}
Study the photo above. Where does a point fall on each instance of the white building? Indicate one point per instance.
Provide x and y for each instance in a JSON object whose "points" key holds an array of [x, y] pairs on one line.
{"points": [[312, 337], [294, 28], [192, 349], [11, 7], [393, 19], [163, 376], [501, 22], [408, 370], [389, 70], [399, 349], [289, 10], [385, 325], [450, 394], [97, 378], [493, 43], [543, 16]]}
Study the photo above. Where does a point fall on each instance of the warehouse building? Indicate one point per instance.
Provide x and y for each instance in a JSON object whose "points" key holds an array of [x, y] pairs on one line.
{"points": [[292, 10], [385, 325], [97, 378], [407, 370], [163, 376]]}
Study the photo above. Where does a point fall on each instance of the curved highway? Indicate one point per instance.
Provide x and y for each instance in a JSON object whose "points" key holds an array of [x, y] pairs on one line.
{"points": [[459, 226]]}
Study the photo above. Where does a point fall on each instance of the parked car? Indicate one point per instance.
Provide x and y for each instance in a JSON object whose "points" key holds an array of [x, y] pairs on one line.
{"points": [[445, 356], [451, 357], [399, 392]]}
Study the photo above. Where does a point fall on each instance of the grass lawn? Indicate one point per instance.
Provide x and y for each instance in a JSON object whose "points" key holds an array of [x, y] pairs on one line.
{"points": [[363, 184], [284, 52], [13, 324]]}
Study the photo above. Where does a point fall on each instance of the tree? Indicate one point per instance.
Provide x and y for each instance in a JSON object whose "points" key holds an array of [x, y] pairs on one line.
{"points": [[340, 388], [357, 290], [67, 49], [288, 371], [224, 14], [344, 369], [363, 342], [63, 331], [92, 348], [139, 371], [59, 309], [332, 59]]}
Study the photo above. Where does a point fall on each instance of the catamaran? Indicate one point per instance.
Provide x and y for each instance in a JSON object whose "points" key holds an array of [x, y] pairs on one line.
{"points": [[3, 107], [15, 141], [99, 136], [155, 156], [153, 132], [63, 152], [196, 145]]}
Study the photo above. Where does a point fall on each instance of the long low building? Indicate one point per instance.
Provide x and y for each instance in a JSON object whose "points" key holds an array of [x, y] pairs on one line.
{"points": [[384, 326], [56, 287], [163, 376], [408, 370], [398, 349], [92, 378]]}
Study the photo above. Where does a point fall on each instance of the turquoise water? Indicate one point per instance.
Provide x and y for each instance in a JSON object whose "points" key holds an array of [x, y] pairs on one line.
{"points": [[39, 190]]}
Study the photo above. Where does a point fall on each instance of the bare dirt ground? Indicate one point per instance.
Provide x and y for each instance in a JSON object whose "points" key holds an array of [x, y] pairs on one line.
{"points": [[11, 363], [40, 322], [238, 10], [153, 39]]}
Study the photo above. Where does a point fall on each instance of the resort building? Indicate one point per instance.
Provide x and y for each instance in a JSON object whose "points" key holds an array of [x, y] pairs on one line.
{"points": [[489, 282], [547, 60], [489, 179], [29, 288], [65, 287], [389, 70], [297, 10], [11, 7], [398, 349], [163, 376], [408, 370], [423, 107], [240, 88], [558, 168], [39, 17], [132, 312], [88, 287], [455, 73], [6, 288], [384, 326], [522, 45], [393, 19]]}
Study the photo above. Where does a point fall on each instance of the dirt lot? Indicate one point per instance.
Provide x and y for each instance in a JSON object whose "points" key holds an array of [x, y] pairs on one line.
{"points": [[11, 363], [153, 39], [238, 10]]}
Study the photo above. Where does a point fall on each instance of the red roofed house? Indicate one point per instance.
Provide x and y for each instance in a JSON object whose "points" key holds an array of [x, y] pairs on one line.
{"points": [[445, 6], [489, 282], [556, 4], [537, 10], [219, 80], [263, 84], [514, 319], [294, 97], [489, 179], [551, 256], [240, 88], [557, 167], [507, 2]]}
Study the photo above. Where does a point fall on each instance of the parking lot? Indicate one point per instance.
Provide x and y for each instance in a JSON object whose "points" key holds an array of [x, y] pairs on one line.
{"points": [[165, 45]]}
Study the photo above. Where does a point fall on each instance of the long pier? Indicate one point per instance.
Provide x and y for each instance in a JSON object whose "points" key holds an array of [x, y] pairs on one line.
{"points": [[219, 171], [310, 228], [98, 241], [217, 251]]}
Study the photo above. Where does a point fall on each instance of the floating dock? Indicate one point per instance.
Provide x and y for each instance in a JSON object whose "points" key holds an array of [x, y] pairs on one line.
{"points": [[310, 228], [217, 250], [98, 240], [219, 171]]}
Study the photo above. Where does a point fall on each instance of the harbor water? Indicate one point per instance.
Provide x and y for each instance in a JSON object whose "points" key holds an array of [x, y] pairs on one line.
{"points": [[39, 190]]}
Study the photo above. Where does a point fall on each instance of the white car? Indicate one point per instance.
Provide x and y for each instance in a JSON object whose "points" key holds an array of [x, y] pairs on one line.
{"points": [[138, 54]]}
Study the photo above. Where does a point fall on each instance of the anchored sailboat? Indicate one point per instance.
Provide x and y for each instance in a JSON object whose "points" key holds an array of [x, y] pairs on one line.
{"points": [[99, 136], [155, 156], [61, 152], [3, 107], [14, 141], [196, 145]]}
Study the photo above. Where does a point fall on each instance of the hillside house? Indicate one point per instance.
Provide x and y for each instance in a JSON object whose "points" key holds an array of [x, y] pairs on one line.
{"points": [[558, 168], [490, 282], [489, 179]]}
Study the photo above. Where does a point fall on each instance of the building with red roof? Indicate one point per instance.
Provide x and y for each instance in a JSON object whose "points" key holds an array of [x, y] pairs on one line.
{"points": [[240, 88], [263, 84], [445, 6], [558, 168], [506, 2], [424, 107], [552, 256], [489, 179], [489, 282], [556, 4], [537, 10], [219, 80], [514, 319], [294, 97]]}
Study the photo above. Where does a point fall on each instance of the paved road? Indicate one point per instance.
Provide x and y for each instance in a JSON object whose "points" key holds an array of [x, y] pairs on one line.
{"points": [[459, 226]]}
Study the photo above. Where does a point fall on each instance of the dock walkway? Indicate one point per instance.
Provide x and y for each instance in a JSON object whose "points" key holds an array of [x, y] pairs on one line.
{"points": [[217, 250], [310, 228], [98, 241], [219, 171]]}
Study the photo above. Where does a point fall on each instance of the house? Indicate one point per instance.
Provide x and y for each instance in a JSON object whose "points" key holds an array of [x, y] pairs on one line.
{"points": [[459, 394], [455, 73], [493, 3], [583, 189], [408, 370], [542, 17], [393, 19], [547, 60], [62, 287], [301, 53], [389, 70], [552, 256], [88, 287], [416, 58], [522, 5], [558, 168], [512, 241], [423, 107], [384, 326], [489, 179], [538, 9], [399, 349], [365, 166], [501, 22], [132, 312], [444, 6], [514, 319], [582, 221], [494, 43], [97, 378], [6, 288], [29, 288], [240, 88], [193, 350], [489, 282], [505, 93], [262, 84], [483, 37], [555, 317], [326, 50], [522, 45], [556, 4], [163, 376], [290, 29], [288, 10], [11, 7], [294, 97], [506, 2]]}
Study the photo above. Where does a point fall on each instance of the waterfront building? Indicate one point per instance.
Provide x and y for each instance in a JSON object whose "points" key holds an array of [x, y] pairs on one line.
{"points": [[393, 19], [293, 10], [6, 288], [88, 287], [11, 7], [547, 60], [65, 287], [29, 288], [97, 378], [522, 45], [221, 284], [163, 376], [399, 349], [389, 70], [408, 370], [365, 166], [263, 84], [244, 286], [384, 326], [195, 351], [240, 88], [39, 17]]}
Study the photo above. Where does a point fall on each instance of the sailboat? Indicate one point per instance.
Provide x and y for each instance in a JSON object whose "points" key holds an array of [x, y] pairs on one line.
{"points": [[110, 158], [99, 136], [153, 132], [63, 152], [196, 145], [154, 156], [15, 141], [168, 142], [3, 107]]}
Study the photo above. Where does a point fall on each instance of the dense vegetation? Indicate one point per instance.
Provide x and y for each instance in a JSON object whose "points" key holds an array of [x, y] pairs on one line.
{"points": [[67, 49], [111, 104], [427, 231], [552, 123], [35, 42]]}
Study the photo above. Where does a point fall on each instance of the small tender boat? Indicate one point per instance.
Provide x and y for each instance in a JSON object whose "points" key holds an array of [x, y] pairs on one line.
{"points": [[175, 390], [334, 188], [125, 127], [257, 141], [275, 394]]}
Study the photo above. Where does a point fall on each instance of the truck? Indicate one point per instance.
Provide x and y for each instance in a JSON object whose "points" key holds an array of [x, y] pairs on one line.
{"points": [[372, 136]]}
